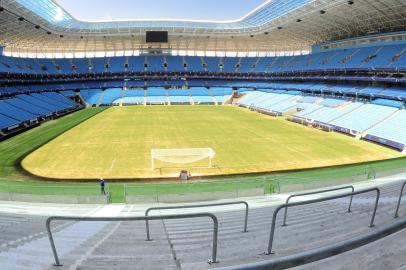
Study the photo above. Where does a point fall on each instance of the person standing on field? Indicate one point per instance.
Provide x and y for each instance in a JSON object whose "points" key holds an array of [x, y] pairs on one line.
{"points": [[103, 192]]}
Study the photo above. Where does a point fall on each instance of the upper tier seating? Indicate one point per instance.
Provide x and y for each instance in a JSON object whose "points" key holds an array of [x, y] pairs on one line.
{"points": [[175, 63], [136, 64], [155, 63], [374, 57], [194, 64]]}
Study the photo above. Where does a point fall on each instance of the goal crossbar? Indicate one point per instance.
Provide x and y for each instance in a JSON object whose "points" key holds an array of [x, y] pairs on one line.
{"points": [[182, 156]]}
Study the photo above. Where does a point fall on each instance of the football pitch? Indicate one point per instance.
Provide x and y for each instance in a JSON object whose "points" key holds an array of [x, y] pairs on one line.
{"points": [[116, 144]]}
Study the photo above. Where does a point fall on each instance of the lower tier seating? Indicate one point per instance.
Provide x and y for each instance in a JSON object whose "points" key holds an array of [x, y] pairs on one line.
{"points": [[28, 108], [380, 121]]}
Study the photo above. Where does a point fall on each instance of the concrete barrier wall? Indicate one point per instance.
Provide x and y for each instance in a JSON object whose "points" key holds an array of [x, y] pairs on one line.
{"points": [[390, 173], [194, 197], [291, 187], [287, 188], [53, 198]]}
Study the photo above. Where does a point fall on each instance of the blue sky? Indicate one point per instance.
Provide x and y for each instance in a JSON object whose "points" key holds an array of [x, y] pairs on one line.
{"points": [[159, 9]]}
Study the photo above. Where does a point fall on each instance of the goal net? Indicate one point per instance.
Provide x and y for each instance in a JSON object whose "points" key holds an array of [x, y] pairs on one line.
{"points": [[182, 156]]}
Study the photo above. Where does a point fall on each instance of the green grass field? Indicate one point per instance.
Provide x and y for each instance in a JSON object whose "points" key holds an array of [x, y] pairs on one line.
{"points": [[15, 180], [116, 144]]}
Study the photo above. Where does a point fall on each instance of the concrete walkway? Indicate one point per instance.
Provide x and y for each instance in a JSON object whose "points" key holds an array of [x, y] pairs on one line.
{"points": [[179, 244]]}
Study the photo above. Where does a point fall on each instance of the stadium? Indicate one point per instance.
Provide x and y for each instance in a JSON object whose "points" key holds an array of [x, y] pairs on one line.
{"points": [[232, 134]]}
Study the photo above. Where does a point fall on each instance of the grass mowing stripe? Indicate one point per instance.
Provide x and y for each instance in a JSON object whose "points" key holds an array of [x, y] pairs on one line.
{"points": [[117, 143], [14, 149]]}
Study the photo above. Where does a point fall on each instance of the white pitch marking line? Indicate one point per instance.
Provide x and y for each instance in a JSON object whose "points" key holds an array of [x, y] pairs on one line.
{"points": [[112, 165]]}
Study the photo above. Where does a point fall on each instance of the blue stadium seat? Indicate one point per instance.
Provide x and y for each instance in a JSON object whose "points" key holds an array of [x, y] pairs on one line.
{"points": [[136, 64], [175, 63], [155, 63], [91, 96], [194, 64], [14, 112], [388, 102], [110, 95], [6, 122]]}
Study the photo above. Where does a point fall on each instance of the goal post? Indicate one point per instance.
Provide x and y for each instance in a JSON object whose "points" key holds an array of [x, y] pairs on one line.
{"points": [[182, 156]]}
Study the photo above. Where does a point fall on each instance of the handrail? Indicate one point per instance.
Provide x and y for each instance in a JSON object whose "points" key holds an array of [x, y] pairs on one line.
{"points": [[316, 192], [321, 253], [400, 198], [108, 195], [195, 206], [180, 216], [275, 213]]}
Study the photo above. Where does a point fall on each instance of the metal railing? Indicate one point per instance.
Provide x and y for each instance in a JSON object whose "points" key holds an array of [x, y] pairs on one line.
{"points": [[399, 200], [325, 252], [196, 206], [181, 216], [200, 190], [108, 195], [275, 213], [313, 193]]}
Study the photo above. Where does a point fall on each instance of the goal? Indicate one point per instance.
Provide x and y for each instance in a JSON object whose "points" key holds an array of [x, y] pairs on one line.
{"points": [[182, 156]]}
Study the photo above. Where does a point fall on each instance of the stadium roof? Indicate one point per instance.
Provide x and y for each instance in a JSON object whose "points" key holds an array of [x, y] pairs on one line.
{"points": [[43, 26], [197, 10]]}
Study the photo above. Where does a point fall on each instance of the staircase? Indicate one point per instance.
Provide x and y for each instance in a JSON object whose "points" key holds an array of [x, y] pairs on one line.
{"points": [[402, 54], [187, 244], [100, 99], [122, 96]]}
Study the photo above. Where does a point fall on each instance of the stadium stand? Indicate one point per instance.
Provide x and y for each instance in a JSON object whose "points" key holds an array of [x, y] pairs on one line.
{"points": [[357, 59], [25, 110], [110, 95], [308, 230], [343, 115], [91, 96], [363, 118], [132, 97], [179, 96], [7, 122], [156, 95], [391, 132]]}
